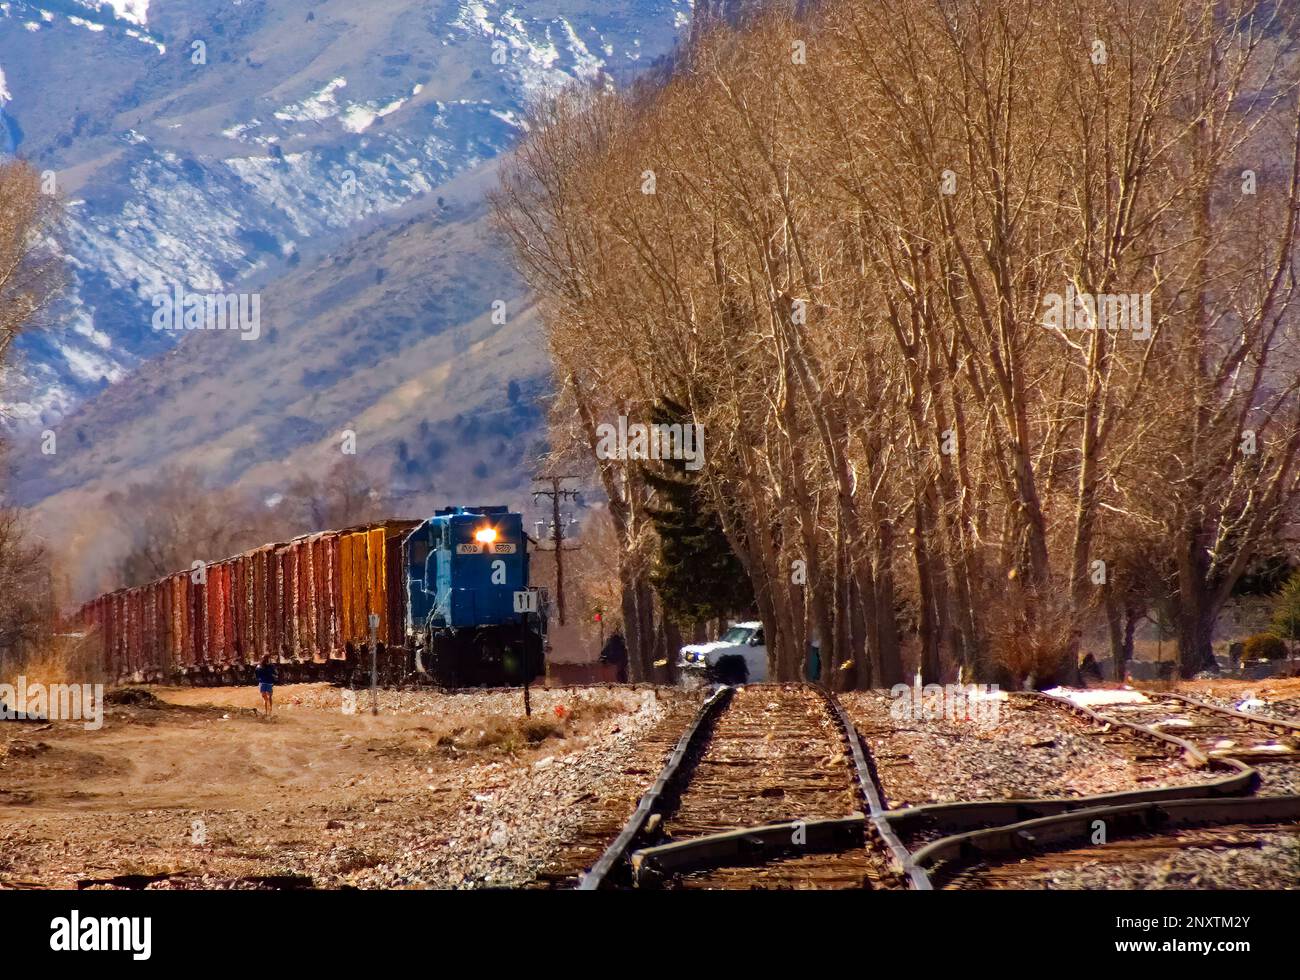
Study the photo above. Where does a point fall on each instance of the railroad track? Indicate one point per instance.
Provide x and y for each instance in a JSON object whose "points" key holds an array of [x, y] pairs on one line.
{"points": [[764, 767], [1030, 752], [1269, 745], [1281, 708], [1142, 845], [1165, 836], [605, 817], [771, 787], [768, 788]]}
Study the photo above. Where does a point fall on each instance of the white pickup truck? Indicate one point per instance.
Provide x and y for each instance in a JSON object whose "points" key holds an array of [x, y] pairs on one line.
{"points": [[740, 656]]}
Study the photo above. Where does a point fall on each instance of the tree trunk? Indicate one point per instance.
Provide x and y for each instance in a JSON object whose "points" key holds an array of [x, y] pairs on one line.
{"points": [[1131, 616], [1195, 613], [672, 646], [1195, 638], [864, 642], [631, 629], [646, 611], [1115, 630], [890, 670], [927, 629]]}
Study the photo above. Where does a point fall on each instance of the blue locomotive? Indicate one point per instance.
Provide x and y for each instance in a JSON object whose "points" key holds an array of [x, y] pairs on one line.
{"points": [[463, 568]]}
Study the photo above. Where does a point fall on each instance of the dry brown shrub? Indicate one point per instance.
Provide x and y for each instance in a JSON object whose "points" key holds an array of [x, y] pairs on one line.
{"points": [[509, 735], [62, 658], [1030, 633]]}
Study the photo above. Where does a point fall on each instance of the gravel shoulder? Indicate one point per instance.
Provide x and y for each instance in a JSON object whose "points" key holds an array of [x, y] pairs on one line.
{"points": [[1273, 698], [1030, 750], [195, 790]]}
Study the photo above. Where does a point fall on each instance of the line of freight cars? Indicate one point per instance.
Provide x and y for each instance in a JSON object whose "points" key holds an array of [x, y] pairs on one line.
{"points": [[304, 603], [441, 589]]}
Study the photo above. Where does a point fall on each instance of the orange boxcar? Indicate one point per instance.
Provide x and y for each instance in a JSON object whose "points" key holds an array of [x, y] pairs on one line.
{"points": [[303, 602]]}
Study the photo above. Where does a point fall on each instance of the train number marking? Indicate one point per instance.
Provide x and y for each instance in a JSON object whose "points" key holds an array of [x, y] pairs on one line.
{"points": [[526, 602], [497, 548], [498, 572]]}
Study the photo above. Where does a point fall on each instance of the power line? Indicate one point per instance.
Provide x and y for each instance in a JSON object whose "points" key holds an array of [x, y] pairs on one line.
{"points": [[557, 494]]}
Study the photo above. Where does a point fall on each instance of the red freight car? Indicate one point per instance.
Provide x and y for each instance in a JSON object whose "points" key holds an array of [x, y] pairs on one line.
{"points": [[305, 603]]}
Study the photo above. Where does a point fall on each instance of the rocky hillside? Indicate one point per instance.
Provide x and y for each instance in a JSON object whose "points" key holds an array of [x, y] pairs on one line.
{"points": [[208, 142], [329, 156]]}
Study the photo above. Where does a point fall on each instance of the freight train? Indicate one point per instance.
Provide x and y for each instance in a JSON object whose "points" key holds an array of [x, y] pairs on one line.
{"points": [[442, 590]]}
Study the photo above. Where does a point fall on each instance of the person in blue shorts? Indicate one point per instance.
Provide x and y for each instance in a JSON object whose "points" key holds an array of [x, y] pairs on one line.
{"points": [[266, 682]]}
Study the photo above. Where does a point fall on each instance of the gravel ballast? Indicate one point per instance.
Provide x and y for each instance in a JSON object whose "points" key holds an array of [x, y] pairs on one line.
{"points": [[1031, 750]]}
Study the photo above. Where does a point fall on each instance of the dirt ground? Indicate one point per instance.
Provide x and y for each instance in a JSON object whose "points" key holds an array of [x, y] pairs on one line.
{"points": [[198, 790], [190, 787], [1270, 689]]}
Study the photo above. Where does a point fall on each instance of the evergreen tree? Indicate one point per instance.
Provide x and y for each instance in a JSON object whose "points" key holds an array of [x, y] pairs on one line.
{"points": [[1286, 610], [696, 574]]}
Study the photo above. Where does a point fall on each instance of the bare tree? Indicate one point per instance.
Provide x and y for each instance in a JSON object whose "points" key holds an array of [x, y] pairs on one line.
{"points": [[972, 299], [29, 278], [30, 273], [179, 519], [347, 494]]}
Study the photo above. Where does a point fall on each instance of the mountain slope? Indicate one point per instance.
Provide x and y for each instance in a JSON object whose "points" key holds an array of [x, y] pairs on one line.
{"points": [[303, 121], [390, 338], [330, 157]]}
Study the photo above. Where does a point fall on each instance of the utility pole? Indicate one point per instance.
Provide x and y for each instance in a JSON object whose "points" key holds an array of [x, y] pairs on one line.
{"points": [[523, 660], [374, 663], [557, 494]]}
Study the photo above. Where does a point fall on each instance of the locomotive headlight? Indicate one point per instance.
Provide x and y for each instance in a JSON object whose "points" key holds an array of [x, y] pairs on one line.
{"points": [[485, 535]]}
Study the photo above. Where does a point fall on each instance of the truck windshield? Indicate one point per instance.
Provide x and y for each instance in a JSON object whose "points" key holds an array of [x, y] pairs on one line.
{"points": [[738, 635]]}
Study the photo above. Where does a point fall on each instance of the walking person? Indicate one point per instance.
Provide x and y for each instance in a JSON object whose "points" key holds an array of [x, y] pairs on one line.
{"points": [[615, 653], [266, 682]]}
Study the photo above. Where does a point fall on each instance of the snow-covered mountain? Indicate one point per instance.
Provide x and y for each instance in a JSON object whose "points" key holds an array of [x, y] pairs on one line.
{"points": [[214, 143]]}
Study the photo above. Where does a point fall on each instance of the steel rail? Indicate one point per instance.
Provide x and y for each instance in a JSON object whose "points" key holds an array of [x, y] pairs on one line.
{"points": [[1020, 823], [1191, 751], [966, 814], [756, 845], [1200, 756], [1204, 803], [616, 854], [873, 793], [747, 846], [1131, 820], [1273, 724], [516, 688], [753, 845]]}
